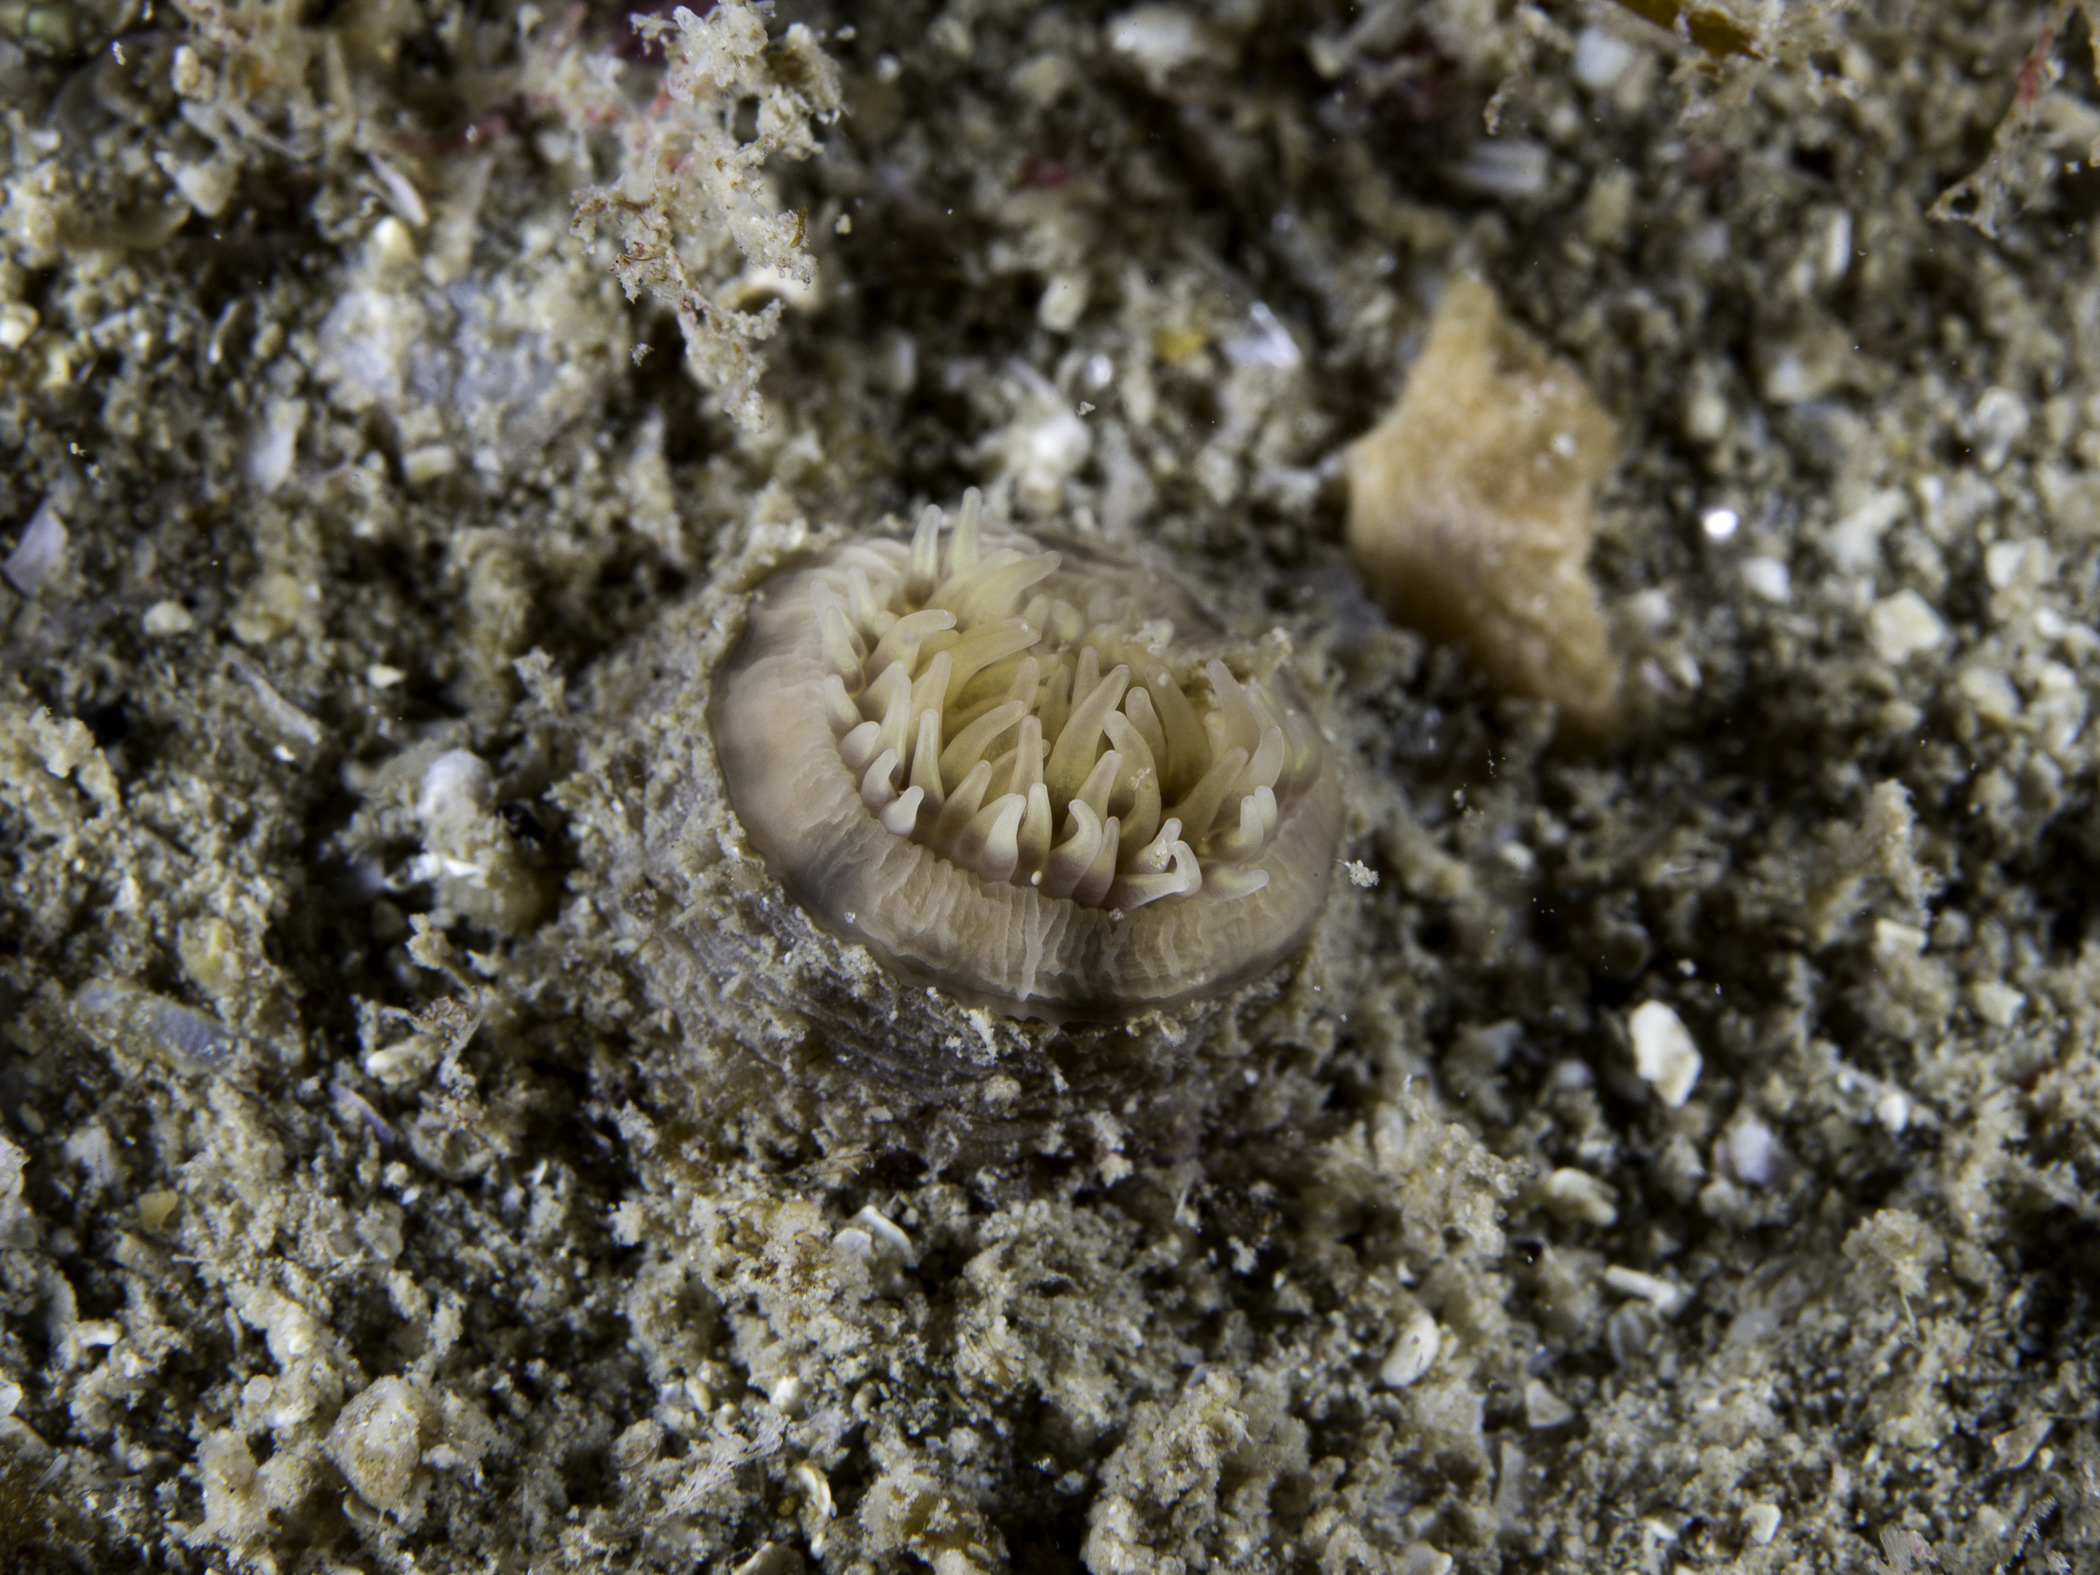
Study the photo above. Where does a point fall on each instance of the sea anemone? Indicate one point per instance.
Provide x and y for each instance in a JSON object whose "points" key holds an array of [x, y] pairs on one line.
{"points": [[949, 910], [1040, 780]]}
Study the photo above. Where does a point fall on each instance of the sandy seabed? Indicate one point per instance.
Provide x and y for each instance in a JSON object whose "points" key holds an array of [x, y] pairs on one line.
{"points": [[1676, 1150]]}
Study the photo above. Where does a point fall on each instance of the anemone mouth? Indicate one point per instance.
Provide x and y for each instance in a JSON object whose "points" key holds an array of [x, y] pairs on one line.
{"points": [[1008, 773]]}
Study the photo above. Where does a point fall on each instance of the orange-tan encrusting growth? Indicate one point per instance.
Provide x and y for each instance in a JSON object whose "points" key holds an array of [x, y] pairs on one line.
{"points": [[1470, 509], [1013, 773]]}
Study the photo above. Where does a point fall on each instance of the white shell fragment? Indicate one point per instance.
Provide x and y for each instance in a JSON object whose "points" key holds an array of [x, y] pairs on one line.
{"points": [[880, 1229], [1663, 1052], [1161, 40], [401, 196], [276, 444], [1543, 1408], [1601, 59], [42, 545], [17, 323], [1769, 578], [1666, 1298], [1413, 1354], [1578, 1196], [1904, 625], [1761, 1522], [1747, 1152], [165, 618], [294, 724]]}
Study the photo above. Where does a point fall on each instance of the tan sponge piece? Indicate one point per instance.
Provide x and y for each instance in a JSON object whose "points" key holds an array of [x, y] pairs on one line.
{"points": [[1470, 509]]}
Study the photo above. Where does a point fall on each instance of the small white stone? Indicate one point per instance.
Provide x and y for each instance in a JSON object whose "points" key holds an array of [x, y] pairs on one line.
{"points": [[1508, 167], [391, 247], [401, 195], [815, 1489], [1266, 342], [1413, 1354], [1854, 542], [381, 676], [1543, 1408], [2001, 421], [1996, 1003], [208, 184], [1160, 40], [1572, 1194], [421, 465], [1761, 1523], [853, 1243], [276, 443], [95, 1152], [1720, 524], [166, 618], [1663, 1052], [1768, 577], [1063, 303], [42, 546], [897, 361], [1601, 59], [17, 323], [1518, 857], [2001, 562], [779, 1558], [880, 1228], [1894, 940], [1892, 1109], [1904, 625], [288, 719], [1649, 609], [1837, 247], [1788, 379], [1747, 1152], [1705, 415], [1991, 693]]}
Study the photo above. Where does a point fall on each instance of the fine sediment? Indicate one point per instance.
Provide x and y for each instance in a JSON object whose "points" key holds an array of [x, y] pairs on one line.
{"points": [[411, 1151]]}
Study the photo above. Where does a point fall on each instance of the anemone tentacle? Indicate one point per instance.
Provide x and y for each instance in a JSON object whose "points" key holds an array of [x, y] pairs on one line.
{"points": [[960, 663]]}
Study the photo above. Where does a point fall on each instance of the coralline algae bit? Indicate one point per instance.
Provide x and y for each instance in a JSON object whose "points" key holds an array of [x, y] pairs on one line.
{"points": [[1470, 508]]}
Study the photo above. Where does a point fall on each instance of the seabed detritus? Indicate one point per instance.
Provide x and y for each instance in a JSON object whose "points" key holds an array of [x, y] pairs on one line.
{"points": [[1577, 1052]]}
